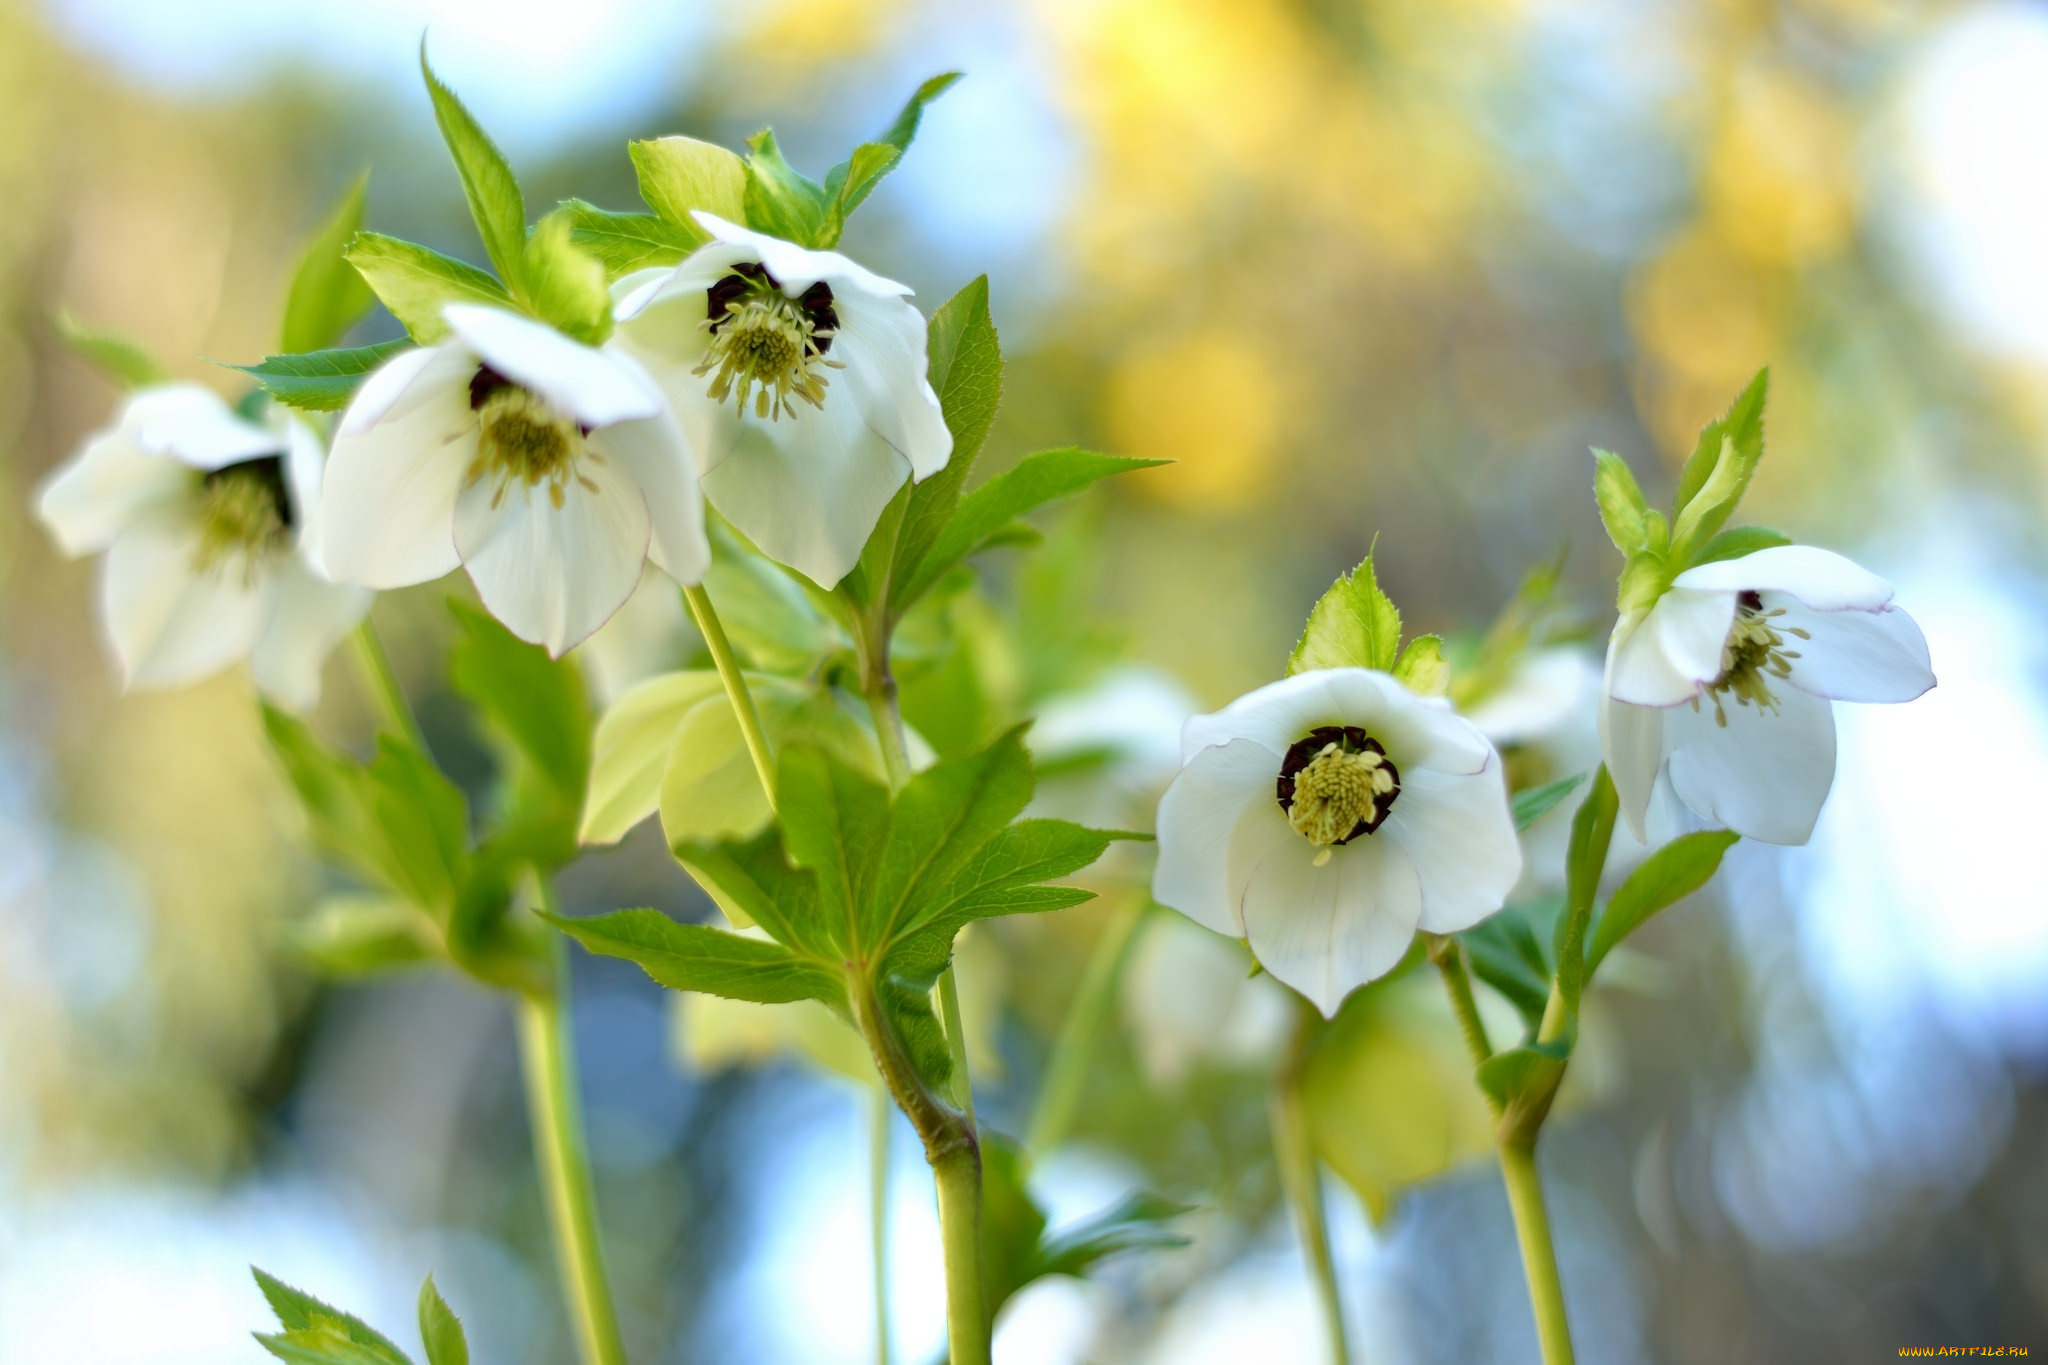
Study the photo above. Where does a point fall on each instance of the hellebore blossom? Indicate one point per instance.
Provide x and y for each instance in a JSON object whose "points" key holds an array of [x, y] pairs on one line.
{"points": [[1729, 677], [210, 523], [1327, 817], [800, 378], [549, 470]]}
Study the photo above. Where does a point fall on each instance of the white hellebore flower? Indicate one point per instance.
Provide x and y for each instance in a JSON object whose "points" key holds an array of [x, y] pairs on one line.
{"points": [[800, 378], [547, 469], [1327, 817], [210, 524], [1729, 678]]}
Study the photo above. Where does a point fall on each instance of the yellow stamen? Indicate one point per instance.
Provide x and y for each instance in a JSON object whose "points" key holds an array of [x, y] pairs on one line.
{"points": [[1753, 654], [242, 516], [521, 437], [1336, 793], [765, 345]]}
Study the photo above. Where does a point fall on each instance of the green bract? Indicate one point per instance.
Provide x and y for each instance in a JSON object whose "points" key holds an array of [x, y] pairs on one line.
{"points": [[315, 1334], [1356, 625]]}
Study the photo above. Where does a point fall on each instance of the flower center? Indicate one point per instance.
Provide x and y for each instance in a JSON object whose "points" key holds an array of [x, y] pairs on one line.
{"points": [[1336, 784], [520, 436], [766, 344], [244, 514], [1753, 654]]}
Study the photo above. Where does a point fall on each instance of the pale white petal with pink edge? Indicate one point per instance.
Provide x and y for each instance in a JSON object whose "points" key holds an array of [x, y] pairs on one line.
{"points": [[1764, 775], [1328, 930], [596, 387], [1853, 655], [1821, 579], [399, 459], [1459, 833]]}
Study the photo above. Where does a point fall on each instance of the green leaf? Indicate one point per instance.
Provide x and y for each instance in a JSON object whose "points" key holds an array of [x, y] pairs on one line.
{"points": [[1715, 477], [768, 617], [850, 182], [487, 181], [965, 367], [1738, 541], [1666, 877], [710, 789], [316, 1333], [1511, 952], [631, 751], [327, 297], [1355, 625], [425, 823], [1421, 667], [1585, 860], [1523, 1080], [416, 282], [696, 957], [121, 360], [440, 1329], [626, 242], [1532, 805], [565, 285], [1622, 509], [321, 381], [1037, 480], [753, 882], [679, 175], [779, 200], [536, 714], [356, 935]]}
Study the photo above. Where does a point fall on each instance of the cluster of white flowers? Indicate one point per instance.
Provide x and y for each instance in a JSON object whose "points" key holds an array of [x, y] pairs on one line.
{"points": [[787, 386]]}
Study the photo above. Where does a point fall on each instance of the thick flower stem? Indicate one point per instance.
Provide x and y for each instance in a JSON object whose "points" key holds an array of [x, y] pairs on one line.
{"points": [[728, 664], [547, 1056], [1539, 1254], [1302, 1181], [380, 680], [1065, 1074], [1449, 956], [956, 1044], [881, 1111]]}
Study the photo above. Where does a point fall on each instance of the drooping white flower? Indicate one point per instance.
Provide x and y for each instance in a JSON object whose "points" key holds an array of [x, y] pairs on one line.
{"points": [[800, 378], [1325, 818], [549, 470], [1729, 679], [211, 526]]}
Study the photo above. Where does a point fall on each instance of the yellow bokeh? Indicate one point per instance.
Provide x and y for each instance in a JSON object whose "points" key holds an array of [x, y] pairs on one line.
{"points": [[1211, 402]]}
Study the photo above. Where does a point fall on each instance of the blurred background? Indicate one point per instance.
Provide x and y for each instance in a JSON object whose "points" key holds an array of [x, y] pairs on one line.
{"points": [[1361, 267]]}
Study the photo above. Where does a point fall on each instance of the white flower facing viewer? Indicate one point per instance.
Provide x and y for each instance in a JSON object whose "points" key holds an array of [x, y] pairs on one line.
{"points": [[210, 524], [1729, 678], [549, 470], [800, 378], [1327, 817]]}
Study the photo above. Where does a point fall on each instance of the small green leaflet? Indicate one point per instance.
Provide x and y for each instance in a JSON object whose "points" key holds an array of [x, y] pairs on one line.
{"points": [[849, 183], [1719, 471], [780, 200], [316, 1334], [1532, 805], [565, 284], [1738, 541], [626, 242], [416, 283], [440, 1329], [121, 360], [1622, 509], [1667, 876], [1354, 625], [1422, 668], [327, 296], [487, 181], [354, 934], [680, 175], [321, 381]]}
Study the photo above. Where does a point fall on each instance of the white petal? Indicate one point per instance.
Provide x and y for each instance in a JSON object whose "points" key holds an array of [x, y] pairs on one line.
{"points": [[387, 507], [662, 310], [1632, 742], [169, 624], [657, 458], [193, 424], [591, 385], [1415, 732], [1327, 930], [87, 502], [554, 574], [305, 464], [1764, 775], [1855, 655], [304, 618], [1822, 579], [1458, 832], [806, 489], [881, 341], [1198, 818], [1662, 659], [793, 267]]}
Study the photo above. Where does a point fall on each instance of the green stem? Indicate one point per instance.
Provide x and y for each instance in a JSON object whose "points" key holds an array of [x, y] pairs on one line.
{"points": [[1449, 956], [380, 680], [880, 1112], [1592, 833], [889, 731], [1539, 1255], [1301, 1179], [547, 1056], [1074, 1051], [743, 708], [956, 1043]]}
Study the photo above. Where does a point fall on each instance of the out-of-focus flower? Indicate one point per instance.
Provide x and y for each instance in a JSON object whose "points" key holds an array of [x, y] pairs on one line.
{"points": [[549, 470], [1325, 818], [1729, 678], [800, 378], [1189, 999], [210, 523]]}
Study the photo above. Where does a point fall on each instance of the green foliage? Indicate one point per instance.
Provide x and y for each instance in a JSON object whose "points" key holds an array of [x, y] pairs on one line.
{"points": [[327, 297], [1622, 509], [1667, 876], [1532, 805], [416, 282], [354, 934], [125, 362], [848, 184], [487, 182], [868, 889], [630, 751], [1719, 471], [625, 242], [1354, 625], [315, 1334], [696, 957], [320, 381], [1523, 1082], [781, 200], [1015, 1248], [564, 285], [680, 175], [1422, 669], [1514, 951], [1738, 541], [440, 1329]]}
